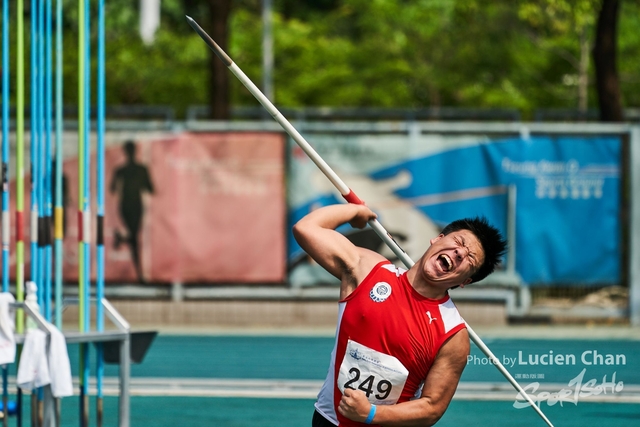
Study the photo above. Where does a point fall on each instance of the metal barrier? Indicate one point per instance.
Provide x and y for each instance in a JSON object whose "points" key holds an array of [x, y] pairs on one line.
{"points": [[122, 335]]}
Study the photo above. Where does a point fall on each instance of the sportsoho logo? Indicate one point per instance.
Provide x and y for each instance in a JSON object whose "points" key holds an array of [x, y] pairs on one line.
{"points": [[576, 388], [579, 387]]}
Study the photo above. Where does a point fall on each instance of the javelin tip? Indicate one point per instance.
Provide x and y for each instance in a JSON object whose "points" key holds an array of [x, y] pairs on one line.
{"points": [[210, 42]]}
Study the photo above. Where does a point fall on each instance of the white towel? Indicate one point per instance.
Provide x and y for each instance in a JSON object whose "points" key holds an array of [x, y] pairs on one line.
{"points": [[33, 371], [7, 329], [59, 365]]}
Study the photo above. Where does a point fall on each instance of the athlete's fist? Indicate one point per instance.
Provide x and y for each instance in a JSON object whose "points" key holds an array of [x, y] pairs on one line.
{"points": [[363, 215], [354, 405]]}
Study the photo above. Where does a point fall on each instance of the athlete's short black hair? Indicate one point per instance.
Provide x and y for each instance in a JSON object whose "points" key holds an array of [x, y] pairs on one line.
{"points": [[493, 244]]}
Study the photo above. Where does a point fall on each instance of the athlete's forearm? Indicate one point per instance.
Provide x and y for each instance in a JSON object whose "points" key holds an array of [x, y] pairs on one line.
{"points": [[333, 216], [419, 412], [422, 412]]}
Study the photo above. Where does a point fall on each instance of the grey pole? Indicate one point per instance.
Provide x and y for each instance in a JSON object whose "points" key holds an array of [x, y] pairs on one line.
{"points": [[49, 416], [125, 362], [125, 376]]}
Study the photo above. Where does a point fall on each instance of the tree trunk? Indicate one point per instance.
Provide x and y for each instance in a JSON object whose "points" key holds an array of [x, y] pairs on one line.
{"points": [[219, 74], [604, 58], [583, 71]]}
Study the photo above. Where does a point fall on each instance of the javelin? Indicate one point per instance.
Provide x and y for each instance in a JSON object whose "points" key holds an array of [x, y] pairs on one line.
{"points": [[345, 191]]}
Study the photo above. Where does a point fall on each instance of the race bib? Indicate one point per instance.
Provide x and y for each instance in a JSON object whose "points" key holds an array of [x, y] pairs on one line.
{"points": [[380, 376]]}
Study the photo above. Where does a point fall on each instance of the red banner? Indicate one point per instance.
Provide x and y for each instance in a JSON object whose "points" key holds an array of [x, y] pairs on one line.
{"points": [[190, 208]]}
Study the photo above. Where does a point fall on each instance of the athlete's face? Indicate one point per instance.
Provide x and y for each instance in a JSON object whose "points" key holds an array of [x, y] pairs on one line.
{"points": [[452, 259]]}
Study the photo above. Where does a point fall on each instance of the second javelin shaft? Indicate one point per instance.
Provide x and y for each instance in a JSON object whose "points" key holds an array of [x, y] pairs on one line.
{"points": [[346, 192]]}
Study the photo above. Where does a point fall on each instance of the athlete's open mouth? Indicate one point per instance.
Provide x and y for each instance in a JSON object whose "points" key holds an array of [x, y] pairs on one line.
{"points": [[445, 262]]}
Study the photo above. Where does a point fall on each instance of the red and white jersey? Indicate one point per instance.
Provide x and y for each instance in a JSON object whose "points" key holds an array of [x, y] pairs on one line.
{"points": [[388, 336]]}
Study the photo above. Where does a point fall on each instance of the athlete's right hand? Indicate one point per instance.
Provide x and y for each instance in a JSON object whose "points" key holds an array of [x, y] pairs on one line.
{"points": [[362, 217], [354, 405]]}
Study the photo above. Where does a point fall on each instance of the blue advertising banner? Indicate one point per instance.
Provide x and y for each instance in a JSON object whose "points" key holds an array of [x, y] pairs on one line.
{"points": [[567, 197]]}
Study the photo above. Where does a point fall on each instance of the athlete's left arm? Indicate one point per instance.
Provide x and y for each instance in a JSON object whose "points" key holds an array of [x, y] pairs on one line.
{"points": [[439, 387]]}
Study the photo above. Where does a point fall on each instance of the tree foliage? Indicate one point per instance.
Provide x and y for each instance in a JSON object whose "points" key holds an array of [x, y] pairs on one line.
{"points": [[524, 54]]}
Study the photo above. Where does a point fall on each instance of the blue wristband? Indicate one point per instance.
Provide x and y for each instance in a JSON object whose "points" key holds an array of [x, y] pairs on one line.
{"points": [[372, 413]]}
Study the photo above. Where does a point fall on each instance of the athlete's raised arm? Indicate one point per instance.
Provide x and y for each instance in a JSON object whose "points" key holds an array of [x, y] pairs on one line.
{"points": [[334, 252]]}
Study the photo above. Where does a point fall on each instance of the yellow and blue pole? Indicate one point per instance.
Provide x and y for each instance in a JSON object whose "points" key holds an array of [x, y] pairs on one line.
{"points": [[5, 184], [84, 55], [5, 146]]}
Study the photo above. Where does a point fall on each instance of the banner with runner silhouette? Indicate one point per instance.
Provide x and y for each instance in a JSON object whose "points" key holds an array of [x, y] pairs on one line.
{"points": [[187, 207]]}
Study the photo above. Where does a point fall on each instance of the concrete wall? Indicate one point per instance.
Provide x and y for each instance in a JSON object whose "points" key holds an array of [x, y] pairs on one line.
{"points": [[198, 315]]}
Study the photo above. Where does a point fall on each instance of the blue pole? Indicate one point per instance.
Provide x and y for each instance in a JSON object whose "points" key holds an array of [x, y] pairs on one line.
{"points": [[41, 150], [59, 210], [87, 197], [84, 405], [100, 206], [37, 395], [58, 213], [42, 110], [48, 250], [34, 142]]}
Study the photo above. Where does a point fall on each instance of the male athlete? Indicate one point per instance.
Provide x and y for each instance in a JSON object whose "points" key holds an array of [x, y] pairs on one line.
{"points": [[401, 344]]}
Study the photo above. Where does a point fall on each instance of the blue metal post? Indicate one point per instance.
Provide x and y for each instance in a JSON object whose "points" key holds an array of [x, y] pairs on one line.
{"points": [[100, 207], [35, 133], [48, 209], [87, 200], [59, 209]]}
